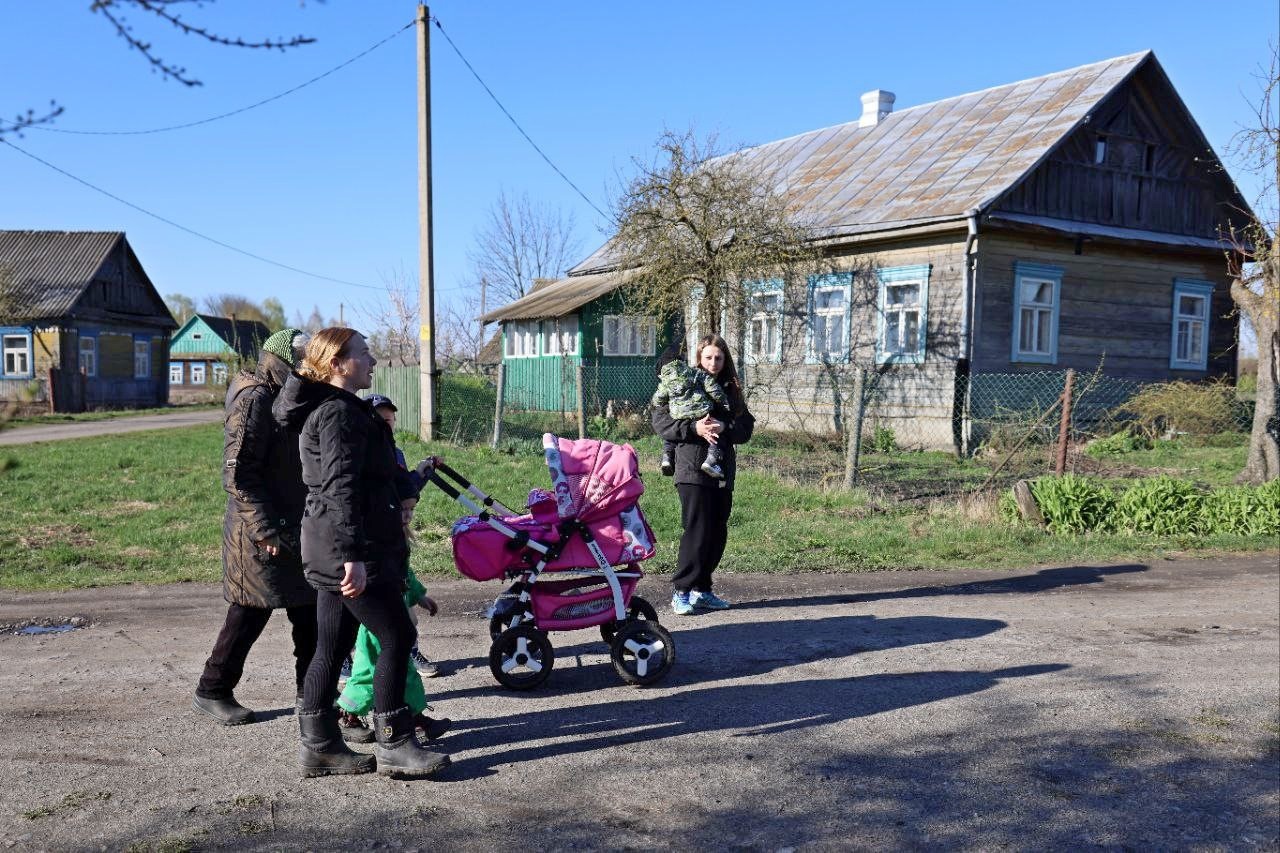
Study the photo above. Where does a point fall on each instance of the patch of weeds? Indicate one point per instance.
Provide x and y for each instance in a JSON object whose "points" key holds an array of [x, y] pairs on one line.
{"points": [[72, 802], [49, 535], [1211, 718]]}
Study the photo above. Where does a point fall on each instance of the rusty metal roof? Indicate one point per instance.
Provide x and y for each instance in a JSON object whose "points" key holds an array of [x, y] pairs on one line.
{"points": [[930, 163]]}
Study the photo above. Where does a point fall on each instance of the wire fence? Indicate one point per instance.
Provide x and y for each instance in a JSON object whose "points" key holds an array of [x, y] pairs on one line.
{"points": [[897, 431]]}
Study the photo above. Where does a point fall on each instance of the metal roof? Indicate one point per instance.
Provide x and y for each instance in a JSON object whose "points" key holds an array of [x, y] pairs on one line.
{"points": [[49, 270], [928, 163]]}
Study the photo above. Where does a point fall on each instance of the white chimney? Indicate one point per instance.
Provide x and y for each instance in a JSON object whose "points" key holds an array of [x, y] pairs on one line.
{"points": [[876, 104]]}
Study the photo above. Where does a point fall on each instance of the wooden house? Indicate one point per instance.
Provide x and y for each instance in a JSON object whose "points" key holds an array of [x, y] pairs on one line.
{"points": [[1067, 221], [82, 325], [207, 351]]}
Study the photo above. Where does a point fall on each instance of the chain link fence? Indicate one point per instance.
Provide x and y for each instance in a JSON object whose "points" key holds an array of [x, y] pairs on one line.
{"points": [[896, 431]]}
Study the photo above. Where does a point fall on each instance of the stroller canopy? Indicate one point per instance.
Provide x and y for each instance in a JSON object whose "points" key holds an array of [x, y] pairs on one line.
{"points": [[592, 479]]}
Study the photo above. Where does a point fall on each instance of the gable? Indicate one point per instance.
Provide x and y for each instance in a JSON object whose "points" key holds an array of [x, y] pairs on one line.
{"points": [[1140, 162], [205, 334], [120, 291]]}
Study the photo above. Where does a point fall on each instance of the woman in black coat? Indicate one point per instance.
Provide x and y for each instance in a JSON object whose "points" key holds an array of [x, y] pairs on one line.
{"points": [[353, 552], [705, 502]]}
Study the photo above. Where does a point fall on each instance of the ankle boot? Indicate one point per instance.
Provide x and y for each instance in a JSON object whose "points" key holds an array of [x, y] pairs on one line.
{"points": [[322, 751], [398, 751], [429, 728], [226, 711]]}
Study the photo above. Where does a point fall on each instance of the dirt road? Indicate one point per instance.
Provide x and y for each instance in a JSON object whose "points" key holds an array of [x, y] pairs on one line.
{"points": [[108, 426], [1130, 706]]}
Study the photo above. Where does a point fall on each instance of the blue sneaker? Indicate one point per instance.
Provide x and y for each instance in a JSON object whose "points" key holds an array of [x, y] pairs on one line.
{"points": [[680, 605], [707, 600], [344, 673]]}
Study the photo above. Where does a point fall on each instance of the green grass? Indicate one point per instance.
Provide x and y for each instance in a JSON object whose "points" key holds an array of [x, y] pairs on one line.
{"points": [[148, 507], [1211, 460]]}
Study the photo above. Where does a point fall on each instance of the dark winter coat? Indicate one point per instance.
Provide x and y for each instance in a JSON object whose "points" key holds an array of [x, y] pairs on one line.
{"points": [[354, 485], [691, 448], [265, 495]]}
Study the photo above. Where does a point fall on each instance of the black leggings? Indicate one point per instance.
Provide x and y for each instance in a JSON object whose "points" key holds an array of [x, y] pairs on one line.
{"points": [[380, 608], [704, 512], [243, 626]]}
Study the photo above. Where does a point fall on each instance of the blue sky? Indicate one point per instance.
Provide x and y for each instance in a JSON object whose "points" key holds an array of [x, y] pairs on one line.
{"points": [[325, 179]]}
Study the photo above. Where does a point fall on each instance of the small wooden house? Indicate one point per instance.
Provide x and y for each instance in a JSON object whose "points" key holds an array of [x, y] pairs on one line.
{"points": [[1067, 221], [82, 325], [207, 351]]}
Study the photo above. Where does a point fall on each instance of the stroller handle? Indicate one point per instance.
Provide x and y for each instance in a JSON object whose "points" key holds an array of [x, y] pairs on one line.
{"points": [[464, 484]]}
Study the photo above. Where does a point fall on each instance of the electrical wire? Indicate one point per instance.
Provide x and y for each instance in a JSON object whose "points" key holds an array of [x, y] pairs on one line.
{"points": [[263, 102], [190, 231], [511, 118]]}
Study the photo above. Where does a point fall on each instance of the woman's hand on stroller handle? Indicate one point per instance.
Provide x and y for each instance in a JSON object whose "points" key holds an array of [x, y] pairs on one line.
{"points": [[428, 465]]}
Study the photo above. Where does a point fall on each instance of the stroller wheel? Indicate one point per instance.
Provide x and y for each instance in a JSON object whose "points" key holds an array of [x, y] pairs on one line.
{"points": [[501, 622], [639, 609], [521, 658], [642, 652]]}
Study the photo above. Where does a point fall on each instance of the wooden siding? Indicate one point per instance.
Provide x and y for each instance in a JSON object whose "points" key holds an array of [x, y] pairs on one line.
{"points": [[915, 400], [1116, 307]]}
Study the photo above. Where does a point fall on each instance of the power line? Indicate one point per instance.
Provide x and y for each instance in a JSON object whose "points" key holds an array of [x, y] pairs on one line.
{"points": [[264, 101], [190, 231], [541, 153]]}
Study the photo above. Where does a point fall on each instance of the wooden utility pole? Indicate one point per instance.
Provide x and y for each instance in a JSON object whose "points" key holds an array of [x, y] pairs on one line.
{"points": [[428, 418]]}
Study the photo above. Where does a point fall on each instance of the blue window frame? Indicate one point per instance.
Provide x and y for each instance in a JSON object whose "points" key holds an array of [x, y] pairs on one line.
{"points": [[827, 332], [1037, 301], [764, 321], [88, 358], [17, 363], [1189, 346], [902, 314]]}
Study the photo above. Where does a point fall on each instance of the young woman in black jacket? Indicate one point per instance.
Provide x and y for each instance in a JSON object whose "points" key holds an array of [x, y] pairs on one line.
{"points": [[353, 552], [705, 502]]}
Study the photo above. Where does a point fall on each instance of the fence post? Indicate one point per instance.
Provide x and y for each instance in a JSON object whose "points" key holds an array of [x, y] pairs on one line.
{"points": [[853, 449], [497, 409], [582, 404], [1064, 427]]}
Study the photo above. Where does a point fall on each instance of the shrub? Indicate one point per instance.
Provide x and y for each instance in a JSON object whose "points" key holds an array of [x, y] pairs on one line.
{"points": [[1125, 441], [1196, 408], [1007, 508], [883, 441], [1073, 504], [1160, 505]]}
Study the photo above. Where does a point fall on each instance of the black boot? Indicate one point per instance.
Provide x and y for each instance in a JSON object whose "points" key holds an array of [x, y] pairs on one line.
{"points": [[398, 751], [323, 752], [227, 711], [429, 728]]}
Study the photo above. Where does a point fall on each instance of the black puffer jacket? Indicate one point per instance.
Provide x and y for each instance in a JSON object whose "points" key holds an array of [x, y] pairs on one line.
{"points": [[354, 485], [265, 495], [691, 448]]}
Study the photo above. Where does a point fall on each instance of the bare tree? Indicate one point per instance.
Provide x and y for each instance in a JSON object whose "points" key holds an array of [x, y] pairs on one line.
{"points": [[180, 306], [118, 14], [234, 305], [520, 242], [392, 323], [696, 217], [1254, 263]]}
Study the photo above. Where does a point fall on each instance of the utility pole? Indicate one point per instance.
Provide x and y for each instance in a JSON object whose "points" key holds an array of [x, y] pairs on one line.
{"points": [[429, 417]]}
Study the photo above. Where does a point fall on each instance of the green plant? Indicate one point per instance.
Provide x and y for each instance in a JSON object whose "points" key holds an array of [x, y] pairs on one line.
{"points": [[1125, 441], [1074, 504], [883, 440], [1242, 509], [1196, 408], [1160, 505], [1007, 508]]}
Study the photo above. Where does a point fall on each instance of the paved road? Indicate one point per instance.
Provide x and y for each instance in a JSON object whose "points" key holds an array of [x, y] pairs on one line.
{"points": [[1114, 707], [107, 426]]}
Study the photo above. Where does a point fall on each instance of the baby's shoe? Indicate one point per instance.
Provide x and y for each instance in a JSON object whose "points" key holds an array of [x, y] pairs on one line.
{"points": [[668, 465], [712, 470]]}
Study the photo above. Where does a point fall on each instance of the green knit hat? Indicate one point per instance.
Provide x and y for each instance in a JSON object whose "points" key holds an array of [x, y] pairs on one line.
{"points": [[281, 344]]}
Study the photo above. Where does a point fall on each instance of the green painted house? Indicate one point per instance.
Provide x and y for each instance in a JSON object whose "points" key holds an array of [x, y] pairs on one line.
{"points": [[207, 350], [579, 324]]}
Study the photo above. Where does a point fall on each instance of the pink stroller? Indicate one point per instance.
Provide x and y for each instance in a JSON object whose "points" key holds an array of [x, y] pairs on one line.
{"points": [[589, 525]]}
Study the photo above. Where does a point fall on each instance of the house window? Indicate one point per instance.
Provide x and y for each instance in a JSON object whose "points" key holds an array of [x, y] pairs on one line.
{"points": [[142, 359], [219, 373], [89, 356], [628, 335], [764, 335], [175, 373], [197, 373], [903, 320], [1191, 301], [17, 355], [1036, 296], [521, 338], [561, 335], [829, 301], [1100, 151]]}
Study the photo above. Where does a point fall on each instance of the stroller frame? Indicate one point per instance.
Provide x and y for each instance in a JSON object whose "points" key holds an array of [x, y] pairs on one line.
{"points": [[521, 618]]}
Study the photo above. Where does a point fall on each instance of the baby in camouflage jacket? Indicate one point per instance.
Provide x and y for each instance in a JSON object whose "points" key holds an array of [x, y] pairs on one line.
{"points": [[689, 393]]}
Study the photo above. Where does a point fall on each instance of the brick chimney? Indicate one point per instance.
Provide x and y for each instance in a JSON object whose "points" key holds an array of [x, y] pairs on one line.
{"points": [[876, 104]]}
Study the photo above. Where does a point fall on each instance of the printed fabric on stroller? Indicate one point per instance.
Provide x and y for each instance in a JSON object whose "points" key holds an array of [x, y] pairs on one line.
{"points": [[589, 532]]}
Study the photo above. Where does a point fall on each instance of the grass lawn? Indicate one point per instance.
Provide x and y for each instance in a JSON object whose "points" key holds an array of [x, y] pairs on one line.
{"points": [[148, 507]]}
